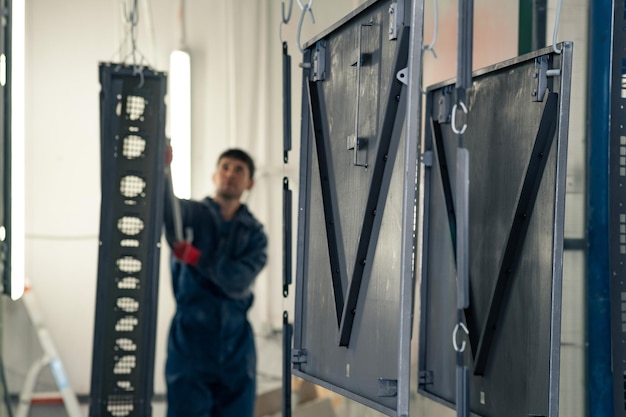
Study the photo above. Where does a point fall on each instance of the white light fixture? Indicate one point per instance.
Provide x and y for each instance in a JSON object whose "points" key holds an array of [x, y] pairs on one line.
{"points": [[17, 63], [180, 121]]}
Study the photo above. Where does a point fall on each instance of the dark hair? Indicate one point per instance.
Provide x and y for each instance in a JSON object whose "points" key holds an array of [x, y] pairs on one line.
{"points": [[239, 155]]}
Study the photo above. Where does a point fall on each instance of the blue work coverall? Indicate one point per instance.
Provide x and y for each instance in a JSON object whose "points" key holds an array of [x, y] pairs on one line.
{"points": [[211, 357]]}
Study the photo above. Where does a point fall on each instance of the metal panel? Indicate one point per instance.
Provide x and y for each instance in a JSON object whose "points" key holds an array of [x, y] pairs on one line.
{"points": [[517, 140], [617, 212], [132, 112], [349, 332]]}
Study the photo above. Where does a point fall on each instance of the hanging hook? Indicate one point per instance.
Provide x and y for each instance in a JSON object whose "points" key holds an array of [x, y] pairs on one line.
{"points": [[288, 18], [138, 70], [556, 27], [308, 6], [285, 20], [431, 46], [305, 8], [133, 16], [453, 122], [454, 334]]}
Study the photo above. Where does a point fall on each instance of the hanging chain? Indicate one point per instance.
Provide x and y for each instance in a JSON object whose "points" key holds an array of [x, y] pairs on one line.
{"points": [[131, 21]]}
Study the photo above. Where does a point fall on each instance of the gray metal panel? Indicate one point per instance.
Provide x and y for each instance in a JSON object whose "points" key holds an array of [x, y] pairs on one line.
{"points": [[332, 186], [520, 377]]}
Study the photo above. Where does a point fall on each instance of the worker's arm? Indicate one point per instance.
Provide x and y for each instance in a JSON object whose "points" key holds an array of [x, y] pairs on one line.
{"points": [[235, 263], [175, 226]]}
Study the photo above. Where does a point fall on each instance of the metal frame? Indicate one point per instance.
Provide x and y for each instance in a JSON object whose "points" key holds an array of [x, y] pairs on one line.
{"points": [[130, 233], [598, 375], [554, 121], [402, 97], [617, 212]]}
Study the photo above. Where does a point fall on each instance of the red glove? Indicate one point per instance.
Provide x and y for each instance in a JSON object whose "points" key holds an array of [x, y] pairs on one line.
{"points": [[186, 253], [168, 154]]}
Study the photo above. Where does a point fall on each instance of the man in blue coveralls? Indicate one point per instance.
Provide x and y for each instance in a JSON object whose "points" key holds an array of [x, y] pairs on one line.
{"points": [[211, 358]]}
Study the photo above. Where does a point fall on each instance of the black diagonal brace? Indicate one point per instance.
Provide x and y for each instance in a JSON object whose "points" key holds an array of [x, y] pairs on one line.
{"points": [[517, 234], [445, 180], [336, 253], [388, 140]]}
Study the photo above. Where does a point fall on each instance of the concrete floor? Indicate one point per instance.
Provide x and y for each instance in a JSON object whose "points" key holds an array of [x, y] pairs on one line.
{"points": [[327, 404], [58, 410]]}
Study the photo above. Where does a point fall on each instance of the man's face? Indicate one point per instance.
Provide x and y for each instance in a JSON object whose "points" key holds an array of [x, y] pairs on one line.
{"points": [[232, 178]]}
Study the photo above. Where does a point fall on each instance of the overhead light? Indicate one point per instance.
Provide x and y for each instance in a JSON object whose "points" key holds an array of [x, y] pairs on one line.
{"points": [[180, 121]]}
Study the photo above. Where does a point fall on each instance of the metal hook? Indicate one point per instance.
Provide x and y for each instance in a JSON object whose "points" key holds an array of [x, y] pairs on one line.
{"points": [[453, 122], [431, 49], [133, 16], [431, 45], [288, 18], [424, 49], [454, 333], [308, 5], [138, 70], [305, 8], [556, 28]]}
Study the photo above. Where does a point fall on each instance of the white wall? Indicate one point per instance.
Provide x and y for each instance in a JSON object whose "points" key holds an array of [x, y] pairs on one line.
{"points": [[236, 101], [236, 79], [234, 96]]}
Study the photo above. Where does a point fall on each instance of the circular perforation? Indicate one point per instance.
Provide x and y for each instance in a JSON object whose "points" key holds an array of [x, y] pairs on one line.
{"points": [[133, 146], [125, 385], [125, 365], [127, 304], [132, 186], [135, 106], [120, 408], [126, 324], [129, 243], [128, 283], [126, 344], [130, 226], [129, 264]]}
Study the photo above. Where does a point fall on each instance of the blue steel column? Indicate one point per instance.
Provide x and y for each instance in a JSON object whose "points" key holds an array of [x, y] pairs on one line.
{"points": [[599, 380]]}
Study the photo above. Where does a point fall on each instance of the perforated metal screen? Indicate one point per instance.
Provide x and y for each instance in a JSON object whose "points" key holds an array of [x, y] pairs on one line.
{"points": [[132, 112]]}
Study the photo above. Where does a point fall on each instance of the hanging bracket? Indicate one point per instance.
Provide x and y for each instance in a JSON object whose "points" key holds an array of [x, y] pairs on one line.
{"points": [[319, 61], [443, 107], [541, 74], [396, 19], [387, 387], [298, 356]]}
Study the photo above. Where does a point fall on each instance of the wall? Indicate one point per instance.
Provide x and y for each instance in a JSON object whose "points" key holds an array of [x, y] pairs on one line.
{"points": [[233, 94]]}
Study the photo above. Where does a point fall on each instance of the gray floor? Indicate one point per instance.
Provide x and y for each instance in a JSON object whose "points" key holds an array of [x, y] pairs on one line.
{"points": [[55, 410], [269, 370]]}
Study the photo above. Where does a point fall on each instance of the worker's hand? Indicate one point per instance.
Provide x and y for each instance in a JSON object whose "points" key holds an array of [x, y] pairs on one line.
{"points": [[168, 154], [186, 253]]}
